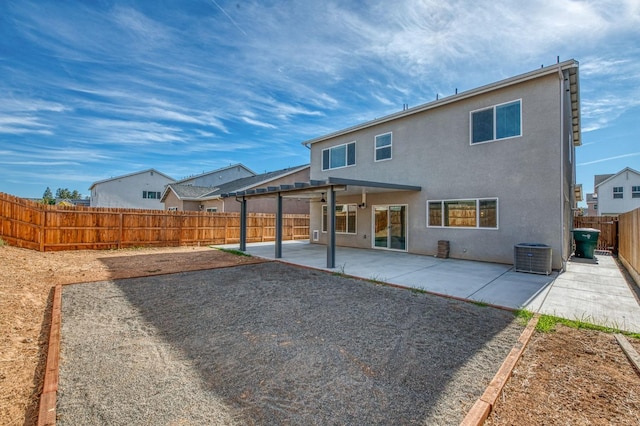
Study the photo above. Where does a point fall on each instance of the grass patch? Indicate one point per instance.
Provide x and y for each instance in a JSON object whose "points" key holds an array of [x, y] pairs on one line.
{"points": [[548, 323], [377, 279], [480, 303], [234, 251], [2, 242]]}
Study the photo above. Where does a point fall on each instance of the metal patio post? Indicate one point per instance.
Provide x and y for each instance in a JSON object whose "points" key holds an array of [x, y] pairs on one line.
{"points": [[279, 227], [331, 225]]}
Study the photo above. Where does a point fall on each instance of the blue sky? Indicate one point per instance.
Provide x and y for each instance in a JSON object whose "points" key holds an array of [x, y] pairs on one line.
{"points": [[95, 89]]}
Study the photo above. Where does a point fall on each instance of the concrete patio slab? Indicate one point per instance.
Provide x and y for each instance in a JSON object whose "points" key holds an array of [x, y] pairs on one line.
{"points": [[592, 290]]}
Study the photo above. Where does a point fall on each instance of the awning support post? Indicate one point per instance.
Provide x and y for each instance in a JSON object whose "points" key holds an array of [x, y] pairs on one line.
{"points": [[331, 225], [279, 227], [243, 224]]}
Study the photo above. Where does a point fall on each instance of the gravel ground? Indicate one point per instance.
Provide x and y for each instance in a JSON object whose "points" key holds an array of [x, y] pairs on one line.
{"points": [[272, 344]]}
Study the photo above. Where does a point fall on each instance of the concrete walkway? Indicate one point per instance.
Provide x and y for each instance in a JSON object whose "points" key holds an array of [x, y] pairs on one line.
{"points": [[593, 291]]}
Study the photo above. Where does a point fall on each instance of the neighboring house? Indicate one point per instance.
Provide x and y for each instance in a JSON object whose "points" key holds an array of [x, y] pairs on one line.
{"points": [[218, 177], [592, 205], [140, 190], [485, 169], [182, 197], [617, 193]]}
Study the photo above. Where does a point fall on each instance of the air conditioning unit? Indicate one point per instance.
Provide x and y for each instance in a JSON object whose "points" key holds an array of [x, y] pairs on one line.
{"points": [[533, 258]]}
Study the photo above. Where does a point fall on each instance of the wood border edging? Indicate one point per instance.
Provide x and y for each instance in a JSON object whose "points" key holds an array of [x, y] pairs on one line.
{"points": [[629, 351], [483, 406], [47, 409]]}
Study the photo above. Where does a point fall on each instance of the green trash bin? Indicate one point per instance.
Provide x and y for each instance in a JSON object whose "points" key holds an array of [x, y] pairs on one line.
{"points": [[586, 240]]}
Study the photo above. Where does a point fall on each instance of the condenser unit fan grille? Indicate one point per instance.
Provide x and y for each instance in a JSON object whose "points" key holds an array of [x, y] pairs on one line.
{"points": [[532, 258]]}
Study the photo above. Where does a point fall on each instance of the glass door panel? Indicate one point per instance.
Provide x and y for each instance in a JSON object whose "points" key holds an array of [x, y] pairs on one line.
{"points": [[381, 227], [390, 227], [398, 228]]}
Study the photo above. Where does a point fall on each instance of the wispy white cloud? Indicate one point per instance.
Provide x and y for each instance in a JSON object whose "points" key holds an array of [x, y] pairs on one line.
{"points": [[257, 123], [616, 157]]}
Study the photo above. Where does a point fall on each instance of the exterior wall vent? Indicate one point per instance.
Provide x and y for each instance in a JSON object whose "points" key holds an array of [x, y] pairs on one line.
{"points": [[316, 235], [532, 258]]}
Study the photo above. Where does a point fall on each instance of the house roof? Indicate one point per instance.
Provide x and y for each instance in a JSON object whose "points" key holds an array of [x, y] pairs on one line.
{"points": [[216, 171], [610, 177], [598, 179], [189, 192], [129, 175], [571, 66]]}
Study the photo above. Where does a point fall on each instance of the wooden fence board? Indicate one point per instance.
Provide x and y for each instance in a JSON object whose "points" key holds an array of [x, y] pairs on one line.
{"points": [[629, 227], [41, 227]]}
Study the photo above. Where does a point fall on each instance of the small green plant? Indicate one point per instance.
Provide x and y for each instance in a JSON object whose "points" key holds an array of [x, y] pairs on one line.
{"points": [[234, 251], [2, 242], [377, 279], [480, 303], [340, 270], [418, 290], [523, 315]]}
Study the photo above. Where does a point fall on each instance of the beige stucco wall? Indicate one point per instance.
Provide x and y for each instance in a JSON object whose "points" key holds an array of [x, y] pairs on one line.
{"points": [[432, 149]]}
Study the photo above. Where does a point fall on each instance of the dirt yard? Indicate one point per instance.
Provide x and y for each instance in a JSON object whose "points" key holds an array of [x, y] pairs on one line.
{"points": [[566, 377]]}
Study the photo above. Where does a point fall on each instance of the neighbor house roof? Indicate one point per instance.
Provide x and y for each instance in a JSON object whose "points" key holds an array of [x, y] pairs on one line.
{"points": [[129, 175], [598, 179], [216, 171], [570, 65], [188, 192], [609, 177]]}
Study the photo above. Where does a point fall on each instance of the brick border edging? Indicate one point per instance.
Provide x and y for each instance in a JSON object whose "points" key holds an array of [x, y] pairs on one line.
{"points": [[47, 410], [483, 406]]}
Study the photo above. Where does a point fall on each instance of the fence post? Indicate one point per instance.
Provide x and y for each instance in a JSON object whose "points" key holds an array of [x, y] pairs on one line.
{"points": [[43, 229], [121, 231]]}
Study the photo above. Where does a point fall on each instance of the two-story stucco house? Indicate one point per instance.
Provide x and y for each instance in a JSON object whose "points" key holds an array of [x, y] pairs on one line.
{"points": [[484, 169], [617, 193], [139, 190]]}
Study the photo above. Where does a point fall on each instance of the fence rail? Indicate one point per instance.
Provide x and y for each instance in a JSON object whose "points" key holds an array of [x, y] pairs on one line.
{"points": [[36, 226]]}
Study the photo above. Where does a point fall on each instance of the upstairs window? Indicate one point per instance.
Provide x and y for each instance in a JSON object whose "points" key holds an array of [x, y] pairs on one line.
{"points": [[383, 147], [497, 122], [618, 192], [339, 156], [635, 192], [151, 195]]}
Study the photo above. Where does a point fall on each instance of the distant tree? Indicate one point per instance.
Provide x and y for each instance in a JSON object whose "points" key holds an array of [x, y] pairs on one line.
{"points": [[75, 195], [62, 193], [47, 197]]}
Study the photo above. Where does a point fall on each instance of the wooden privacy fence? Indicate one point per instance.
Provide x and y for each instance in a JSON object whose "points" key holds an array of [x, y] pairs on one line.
{"points": [[608, 226], [36, 226], [629, 252]]}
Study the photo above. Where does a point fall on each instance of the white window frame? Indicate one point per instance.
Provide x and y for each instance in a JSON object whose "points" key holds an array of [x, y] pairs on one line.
{"points": [[325, 211], [377, 148], [346, 156], [156, 195], [618, 190], [495, 127], [172, 209], [212, 210], [477, 201]]}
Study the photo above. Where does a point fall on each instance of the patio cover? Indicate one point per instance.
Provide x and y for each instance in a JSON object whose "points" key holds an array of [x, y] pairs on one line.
{"points": [[311, 189]]}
